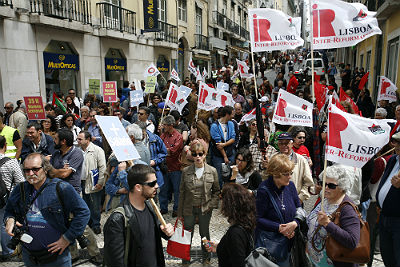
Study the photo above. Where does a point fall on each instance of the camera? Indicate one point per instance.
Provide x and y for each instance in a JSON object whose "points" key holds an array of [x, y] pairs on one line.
{"points": [[83, 241], [18, 232]]}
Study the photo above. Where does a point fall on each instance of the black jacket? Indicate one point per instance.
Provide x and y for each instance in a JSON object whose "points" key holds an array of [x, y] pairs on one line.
{"points": [[114, 237]]}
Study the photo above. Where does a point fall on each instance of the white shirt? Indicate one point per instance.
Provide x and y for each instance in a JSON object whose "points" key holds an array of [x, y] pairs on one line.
{"points": [[199, 172], [388, 183], [224, 127]]}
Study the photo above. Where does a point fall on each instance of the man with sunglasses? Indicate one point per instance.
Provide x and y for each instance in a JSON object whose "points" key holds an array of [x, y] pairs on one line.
{"points": [[9, 109], [301, 177], [141, 237], [41, 209]]}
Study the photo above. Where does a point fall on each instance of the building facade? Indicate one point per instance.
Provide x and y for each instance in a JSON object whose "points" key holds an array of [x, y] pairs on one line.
{"points": [[51, 46]]}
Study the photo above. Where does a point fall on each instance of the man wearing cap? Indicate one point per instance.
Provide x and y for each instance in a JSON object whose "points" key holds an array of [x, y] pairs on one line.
{"points": [[387, 198], [293, 83], [301, 177], [173, 141]]}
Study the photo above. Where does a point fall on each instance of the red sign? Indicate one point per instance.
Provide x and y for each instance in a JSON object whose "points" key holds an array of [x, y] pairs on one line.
{"points": [[34, 108], [109, 91]]}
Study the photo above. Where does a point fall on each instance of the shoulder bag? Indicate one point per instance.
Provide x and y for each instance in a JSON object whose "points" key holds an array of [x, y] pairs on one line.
{"points": [[276, 244]]}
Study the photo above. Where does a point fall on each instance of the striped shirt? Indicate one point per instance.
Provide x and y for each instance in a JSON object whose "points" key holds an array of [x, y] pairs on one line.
{"points": [[11, 173]]}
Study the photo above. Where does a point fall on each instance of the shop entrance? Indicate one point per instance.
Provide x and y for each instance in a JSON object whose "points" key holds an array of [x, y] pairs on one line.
{"points": [[115, 66]]}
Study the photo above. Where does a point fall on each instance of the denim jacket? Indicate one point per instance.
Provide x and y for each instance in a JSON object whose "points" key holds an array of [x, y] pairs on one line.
{"points": [[158, 153], [51, 208]]}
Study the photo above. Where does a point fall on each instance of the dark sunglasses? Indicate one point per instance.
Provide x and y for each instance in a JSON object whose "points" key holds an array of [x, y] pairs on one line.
{"points": [[329, 185], [254, 124], [141, 114], [35, 170], [197, 154], [8, 107], [301, 137], [151, 184]]}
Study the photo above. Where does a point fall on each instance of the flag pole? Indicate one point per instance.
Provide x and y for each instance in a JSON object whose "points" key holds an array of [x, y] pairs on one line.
{"points": [[312, 53], [323, 184], [254, 74]]}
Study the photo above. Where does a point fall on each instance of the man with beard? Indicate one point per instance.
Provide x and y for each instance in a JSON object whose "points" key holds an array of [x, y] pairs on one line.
{"points": [[141, 237], [36, 141], [41, 206]]}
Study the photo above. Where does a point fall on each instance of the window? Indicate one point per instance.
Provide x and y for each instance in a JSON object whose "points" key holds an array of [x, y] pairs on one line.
{"points": [[198, 20], [245, 21], [224, 7], [162, 10], [361, 63], [232, 11], [182, 13], [239, 19], [392, 59], [112, 12], [368, 62]]}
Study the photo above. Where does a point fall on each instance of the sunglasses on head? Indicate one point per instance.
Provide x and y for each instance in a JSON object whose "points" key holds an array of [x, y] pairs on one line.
{"points": [[151, 184], [329, 185], [200, 154]]}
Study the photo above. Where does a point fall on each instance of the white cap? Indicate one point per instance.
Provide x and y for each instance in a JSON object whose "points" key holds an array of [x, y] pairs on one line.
{"points": [[264, 99]]}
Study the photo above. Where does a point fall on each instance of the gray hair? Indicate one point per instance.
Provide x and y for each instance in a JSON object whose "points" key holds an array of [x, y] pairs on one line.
{"points": [[85, 108], [341, 175], [381, 111], [135, 131], [45, 163], [168, 120], [141, 124]]}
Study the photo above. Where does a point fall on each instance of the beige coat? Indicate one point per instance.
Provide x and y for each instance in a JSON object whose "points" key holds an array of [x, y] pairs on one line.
{"points": [[301, 177], [94, 159], [211, 190], [19, 121]]}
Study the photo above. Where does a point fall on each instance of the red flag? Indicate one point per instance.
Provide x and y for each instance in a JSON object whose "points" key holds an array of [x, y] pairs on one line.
{"points": [[316, 78], [58, 103], [320, 94], [363, 81], [344, 97]]}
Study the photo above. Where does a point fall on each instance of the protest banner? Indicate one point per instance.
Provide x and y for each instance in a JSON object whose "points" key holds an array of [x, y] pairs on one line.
{"points": [[34, 108], [222, 86], [292, 110], [136, 97], [353, 140], [109, 91], [387, 90], [151, 71], [150, 84], [185, 90], [117, 138], [191, 67], [94, 86], [175, 75], [271, 29]]}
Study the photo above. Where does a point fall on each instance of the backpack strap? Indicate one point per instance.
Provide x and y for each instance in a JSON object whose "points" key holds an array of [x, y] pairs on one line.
{"points": [[127, 231]]}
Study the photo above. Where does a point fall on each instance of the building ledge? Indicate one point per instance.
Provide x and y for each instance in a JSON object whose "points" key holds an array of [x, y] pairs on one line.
{"points": [[59, 23], [200, 51], [6, 12], [117, 34], [387, 9], [165, 44]]}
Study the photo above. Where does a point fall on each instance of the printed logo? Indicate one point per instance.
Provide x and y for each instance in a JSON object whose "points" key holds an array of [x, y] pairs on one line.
{"points": [[280, 109], [322, 22], [261, 27], [304, 106], [151, 70], [180, 101], [376, 129], [173, 95], [385, 85], [337, 124], [61, 57], [361, 15], [223, 100], [203, 95]]}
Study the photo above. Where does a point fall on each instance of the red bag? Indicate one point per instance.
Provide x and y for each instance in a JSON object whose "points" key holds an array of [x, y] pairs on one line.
{"points": [[179, 243]]}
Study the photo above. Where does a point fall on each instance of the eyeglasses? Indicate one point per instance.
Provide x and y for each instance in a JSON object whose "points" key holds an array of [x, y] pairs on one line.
{"points": [[35, 170], [254, 124], [8, 107], [141, 114], [200, 154], [151, 184], [287, 174], [329, 185]]}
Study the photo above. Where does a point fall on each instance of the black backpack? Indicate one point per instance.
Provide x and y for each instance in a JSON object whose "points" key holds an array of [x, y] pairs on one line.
{"points": [[4, 192]]}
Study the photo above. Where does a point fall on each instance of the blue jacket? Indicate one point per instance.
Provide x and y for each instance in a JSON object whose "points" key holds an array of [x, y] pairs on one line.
{"points": [[158, 153], [217, 136], [46, 146], [390, 208], [51, 207]]}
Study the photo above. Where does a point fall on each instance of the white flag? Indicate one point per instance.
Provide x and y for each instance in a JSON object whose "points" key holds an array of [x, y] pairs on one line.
{"points": [[176, 98], [251, 115], [271, 29], [136, 97], [207, 98], [185, 90], [151, 71], [340, 24], [292, 110], [387, 90], [191, 67], [198, 75], [222, 86], [138, 85], [353, 140], [204, 75], [175, 75], [243, 69]]}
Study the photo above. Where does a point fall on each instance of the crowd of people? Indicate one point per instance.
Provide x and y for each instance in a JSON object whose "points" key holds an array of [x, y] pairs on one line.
{"points": [[60, 174]]}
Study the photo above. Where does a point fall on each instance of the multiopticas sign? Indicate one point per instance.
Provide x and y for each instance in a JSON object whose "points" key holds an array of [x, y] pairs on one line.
{"points": [[60, 61]]}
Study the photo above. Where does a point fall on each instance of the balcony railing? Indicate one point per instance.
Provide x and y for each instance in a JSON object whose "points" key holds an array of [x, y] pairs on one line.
{"points": [[117, 18], [167, 32], [244, 33], [77, 10], [6, 3], [219, 19], [201, 42]]}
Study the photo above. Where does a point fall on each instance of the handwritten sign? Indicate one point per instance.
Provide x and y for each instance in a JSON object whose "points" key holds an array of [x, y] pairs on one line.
{"points": [[150, 84], [109, 91], [94, 86], [34, 108]]}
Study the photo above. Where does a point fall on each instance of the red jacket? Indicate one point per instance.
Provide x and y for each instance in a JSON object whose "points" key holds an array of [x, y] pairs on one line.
{"points": [[292, 86]]}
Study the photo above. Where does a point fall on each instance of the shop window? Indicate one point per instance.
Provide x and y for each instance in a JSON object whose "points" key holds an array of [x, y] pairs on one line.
{"points": [[392, 59], [61, 67], [162, 10]]}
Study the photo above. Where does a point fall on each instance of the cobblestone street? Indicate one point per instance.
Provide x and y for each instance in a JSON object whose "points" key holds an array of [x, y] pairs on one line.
{"points": [[218, 227]]}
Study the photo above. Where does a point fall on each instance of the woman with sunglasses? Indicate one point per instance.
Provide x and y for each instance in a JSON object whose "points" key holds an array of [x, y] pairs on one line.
{"points": [[337, 186], [276, 203], [244, 171], [299, 134], [199, 190]]}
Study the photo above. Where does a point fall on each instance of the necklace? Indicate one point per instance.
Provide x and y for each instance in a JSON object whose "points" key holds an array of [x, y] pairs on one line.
{"points": [[281, 200]]}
